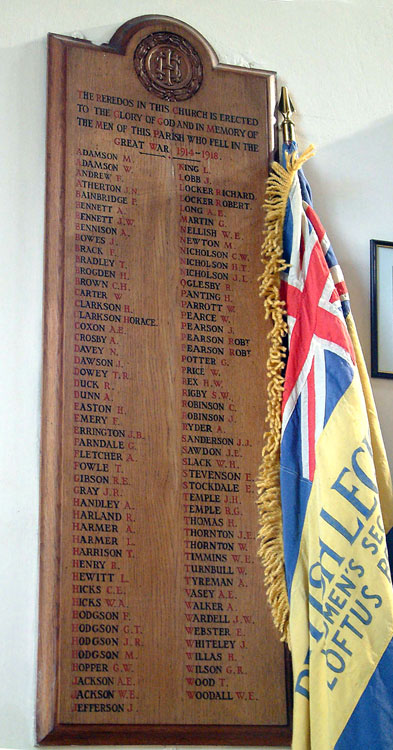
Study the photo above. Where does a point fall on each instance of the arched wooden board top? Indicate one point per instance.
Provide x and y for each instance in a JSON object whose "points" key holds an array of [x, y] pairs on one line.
{"points": [[121, 38], [153, 618]]}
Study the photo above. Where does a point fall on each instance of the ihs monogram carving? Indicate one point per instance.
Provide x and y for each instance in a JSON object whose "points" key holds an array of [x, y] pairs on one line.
{"points": [[169, 66]]}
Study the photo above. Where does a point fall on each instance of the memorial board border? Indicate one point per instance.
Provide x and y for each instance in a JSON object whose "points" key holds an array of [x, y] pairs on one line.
{"points": [[50, 730]]}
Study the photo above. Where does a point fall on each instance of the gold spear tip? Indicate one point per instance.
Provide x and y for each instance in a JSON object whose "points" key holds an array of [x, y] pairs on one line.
{"points": [[286, 108]]}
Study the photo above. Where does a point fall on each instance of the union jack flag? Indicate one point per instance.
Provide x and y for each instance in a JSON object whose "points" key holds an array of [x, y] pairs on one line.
{"points": [[317, 301]]}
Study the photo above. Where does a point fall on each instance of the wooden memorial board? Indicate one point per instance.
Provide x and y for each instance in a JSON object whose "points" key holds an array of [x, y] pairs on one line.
{"points": [[153, 620]]}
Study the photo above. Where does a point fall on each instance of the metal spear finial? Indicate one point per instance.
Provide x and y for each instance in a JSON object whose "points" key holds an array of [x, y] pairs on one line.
{"points": [[287, 108]]}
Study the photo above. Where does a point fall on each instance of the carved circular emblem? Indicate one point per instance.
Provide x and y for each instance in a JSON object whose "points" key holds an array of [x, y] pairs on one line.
{"points": [[168, 65]]}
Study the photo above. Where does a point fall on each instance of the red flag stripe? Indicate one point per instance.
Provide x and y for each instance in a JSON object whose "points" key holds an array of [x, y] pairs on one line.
{"points": [[311, 421], [315, 221], [341, 287]]}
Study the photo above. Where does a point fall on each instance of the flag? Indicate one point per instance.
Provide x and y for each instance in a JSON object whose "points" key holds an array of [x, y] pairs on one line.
{"points": [[325, 494]]}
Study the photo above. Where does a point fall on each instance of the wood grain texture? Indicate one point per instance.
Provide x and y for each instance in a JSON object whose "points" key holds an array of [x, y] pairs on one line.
{"points": [[110, 734], [154, 626], [52, 394]]}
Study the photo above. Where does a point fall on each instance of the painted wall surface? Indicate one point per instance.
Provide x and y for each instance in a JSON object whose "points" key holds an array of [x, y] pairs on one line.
{"points": [[336, 59]]}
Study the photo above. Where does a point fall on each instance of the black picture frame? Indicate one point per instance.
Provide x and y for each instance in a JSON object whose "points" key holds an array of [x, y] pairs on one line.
{"points": [[381, 296]]}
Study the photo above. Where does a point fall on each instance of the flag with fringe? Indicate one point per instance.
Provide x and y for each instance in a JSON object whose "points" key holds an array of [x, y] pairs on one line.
{"points": [[325, 494]]}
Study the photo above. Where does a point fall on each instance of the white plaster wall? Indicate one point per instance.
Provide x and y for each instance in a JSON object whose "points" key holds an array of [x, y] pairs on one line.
{"points": [[337, 60]]}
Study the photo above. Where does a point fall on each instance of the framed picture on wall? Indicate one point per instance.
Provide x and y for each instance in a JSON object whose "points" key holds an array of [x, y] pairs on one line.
{"points": [[381, 263]]}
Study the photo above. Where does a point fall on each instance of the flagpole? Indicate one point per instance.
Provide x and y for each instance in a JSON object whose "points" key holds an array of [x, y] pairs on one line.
{"points": [[286, 108]]}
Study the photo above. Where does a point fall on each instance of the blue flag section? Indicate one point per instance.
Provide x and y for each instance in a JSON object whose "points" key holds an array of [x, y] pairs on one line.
{"points": [[336, 499]]}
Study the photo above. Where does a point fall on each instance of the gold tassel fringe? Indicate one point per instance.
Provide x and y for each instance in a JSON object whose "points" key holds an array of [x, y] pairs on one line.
{"points": [[268, 482]]}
